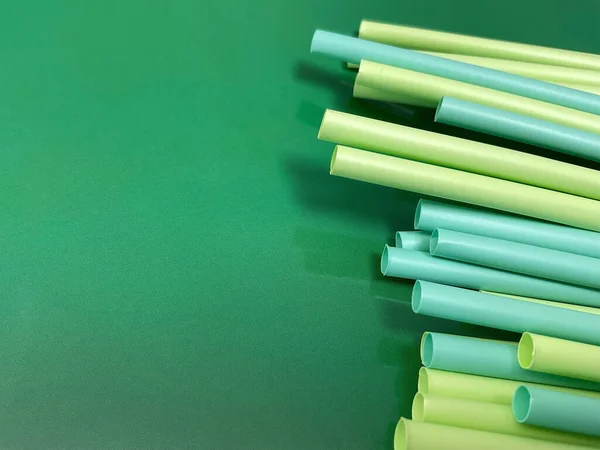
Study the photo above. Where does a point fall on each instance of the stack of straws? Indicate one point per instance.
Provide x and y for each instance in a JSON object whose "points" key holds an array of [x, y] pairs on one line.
{"points": [[509, 272]]}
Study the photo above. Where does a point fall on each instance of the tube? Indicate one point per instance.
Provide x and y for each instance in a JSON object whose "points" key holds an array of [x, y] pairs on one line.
{"points": [[466, 187], [559, 357], [400, 263], [375, 94], [439, 41], [411, 435], [518, 127], [463, 154], [487, 358], [452, 303], [585, 309], [351, 49], [550, 409], [516, 257], [431, 89], [441, 383], [490, 417], [431, 215], [413, 240]]}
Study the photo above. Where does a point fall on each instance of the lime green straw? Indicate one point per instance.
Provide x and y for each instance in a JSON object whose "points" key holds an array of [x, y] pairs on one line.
{"points": [[587, 309], [465, 187], [439, 41], [449, 151], [432, 89], [559, 357], [441, 383], [490, 417], [412, 435]]}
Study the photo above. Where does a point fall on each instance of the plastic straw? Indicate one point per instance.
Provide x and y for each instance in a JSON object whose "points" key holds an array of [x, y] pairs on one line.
{"points": [[411, 265], [490, 417], [487, 358], [560, 357], [441, 383], [452, 303], [585, 309], [431, 89], [439, 41], [411, 435], [431, 215], [466, 187], [375, 94], [448, 151], [518, 127], [557, 410], [413, 240], [516, 257], [350, 49]]}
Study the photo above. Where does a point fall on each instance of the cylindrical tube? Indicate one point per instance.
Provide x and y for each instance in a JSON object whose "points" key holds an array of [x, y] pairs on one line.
{"points": [[518, 127], [496, 359], [452, 303], [586, 309], [557, 410], [411, 435], [449, 151], [431, 215], [516, 257], [413, 240], [477, 388], [439, 41], [351, 49], [376, 94], [466, 187], [559, 357], [401, 263], [431, 89], [484, 416]]}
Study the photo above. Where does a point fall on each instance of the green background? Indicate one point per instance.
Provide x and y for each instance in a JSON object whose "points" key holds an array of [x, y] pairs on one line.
{"points": [[178, 270]]}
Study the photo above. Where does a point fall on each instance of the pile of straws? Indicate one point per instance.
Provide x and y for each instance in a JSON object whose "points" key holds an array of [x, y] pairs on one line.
{"points": [[540, 278]]}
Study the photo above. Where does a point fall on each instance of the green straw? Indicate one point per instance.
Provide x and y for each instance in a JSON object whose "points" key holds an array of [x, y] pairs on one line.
{"points": [[559, 357], [484, 416], [431, 89], [448, 151], [439, 41], [413, 240], [466, 187], [586, 309]]}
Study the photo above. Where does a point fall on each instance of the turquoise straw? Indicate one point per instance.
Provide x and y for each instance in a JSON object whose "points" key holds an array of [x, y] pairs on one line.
{"points": [[504, 313], [412, 265], [354, 50], [431, 215], [487, 358], [516, 257], [547, 408], [413, 240], [518, 127]]}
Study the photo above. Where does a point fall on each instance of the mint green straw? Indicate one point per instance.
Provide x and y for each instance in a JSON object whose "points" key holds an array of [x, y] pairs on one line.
{"points": [[431, 215], [413, 240], [516, 257], [557, 410], [518, 127]]}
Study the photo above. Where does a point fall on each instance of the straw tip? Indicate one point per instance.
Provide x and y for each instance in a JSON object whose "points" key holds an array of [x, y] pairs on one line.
{"points": [[415, 300], [521, 404], [317, 40], [333, 160], [400, 435], [385, 259]]}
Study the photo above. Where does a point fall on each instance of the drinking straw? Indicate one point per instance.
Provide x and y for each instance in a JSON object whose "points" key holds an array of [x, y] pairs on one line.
{"points": [[559, 357], [487, 358], [557, 410], [351, 49], [516, 257], [431, 215], [413, 240], [449, 151], [518, 127], [586, 309], [441, 383], [401, 263], [411, 435], [439, 41], [466, 187], [452, 303], [484, 416], [431, 89], [376, 94]]}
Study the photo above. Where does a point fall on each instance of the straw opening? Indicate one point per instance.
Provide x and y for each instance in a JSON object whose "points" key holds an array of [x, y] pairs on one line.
{"points": [[418, 215], [418, 408], [522, 404], [333, 160], [427, 350], [385, 260], [423, 383], [415, 300], [400, 436], [526, 351], [433, 243]]}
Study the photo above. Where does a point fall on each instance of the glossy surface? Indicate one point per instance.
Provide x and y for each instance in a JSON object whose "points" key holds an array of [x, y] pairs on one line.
{"points": [[148, 149]]}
